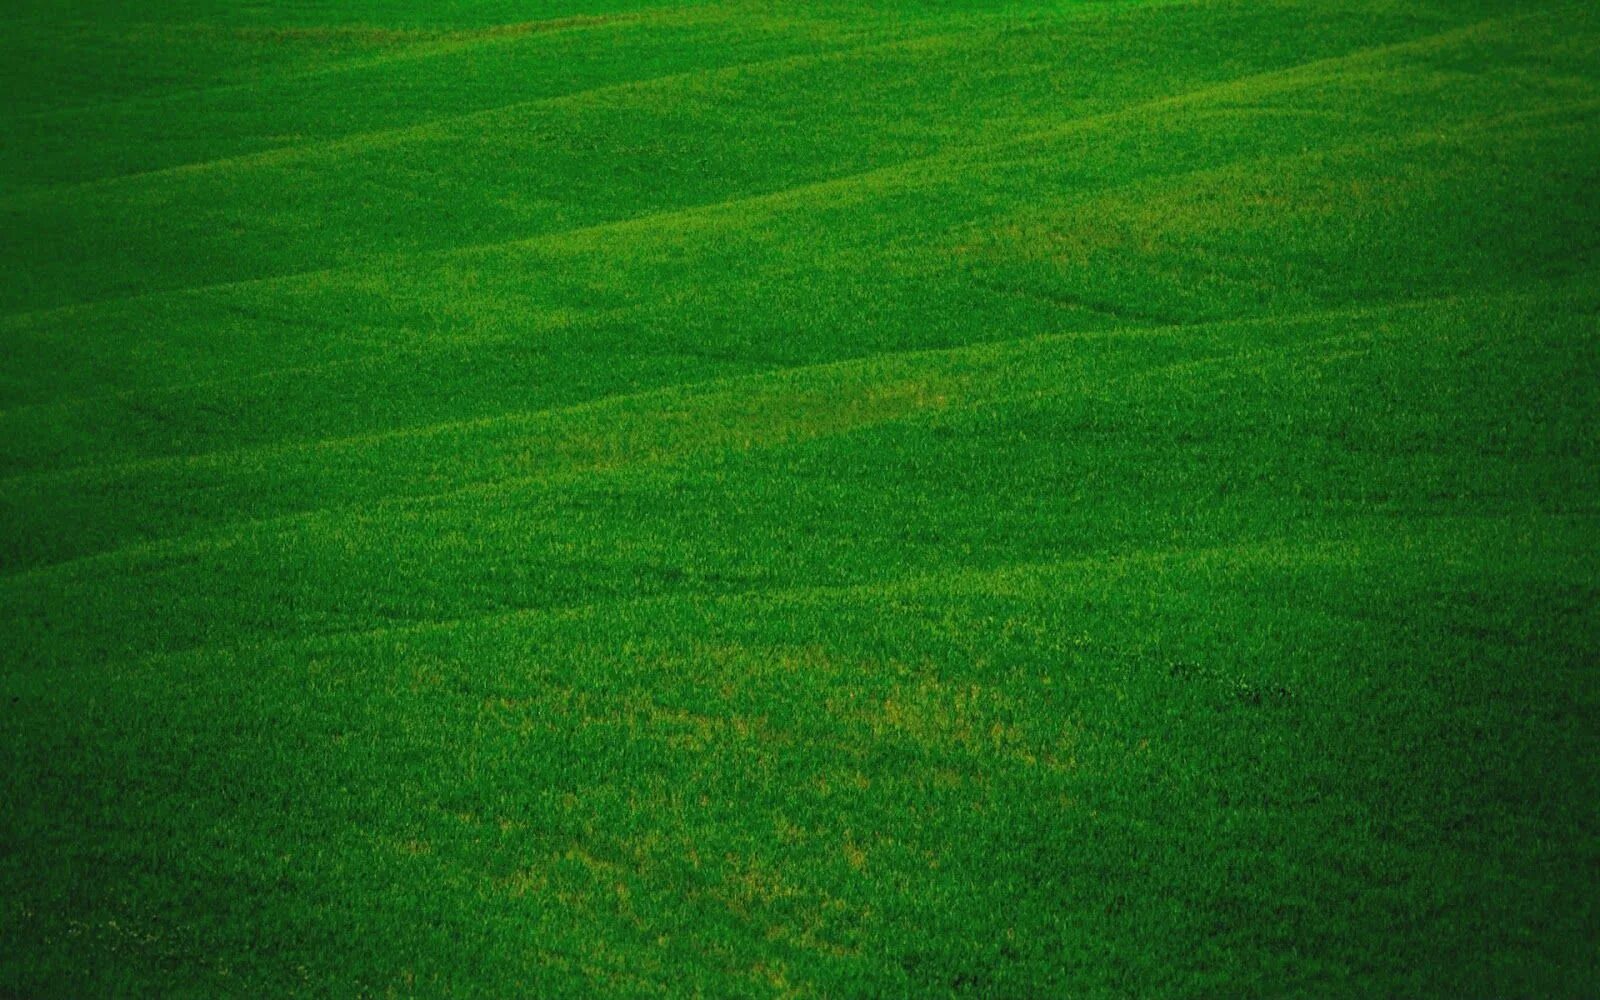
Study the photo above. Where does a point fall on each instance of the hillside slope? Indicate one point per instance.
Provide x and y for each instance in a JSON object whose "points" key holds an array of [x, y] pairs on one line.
{"points": [[843, 499]]}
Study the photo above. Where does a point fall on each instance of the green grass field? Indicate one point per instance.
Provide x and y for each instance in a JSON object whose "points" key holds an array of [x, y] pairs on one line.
{"points": [[841, 499]]}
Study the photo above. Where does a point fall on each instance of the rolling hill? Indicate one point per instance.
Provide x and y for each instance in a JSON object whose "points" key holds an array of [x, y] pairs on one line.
{"points": [[873, 499]]}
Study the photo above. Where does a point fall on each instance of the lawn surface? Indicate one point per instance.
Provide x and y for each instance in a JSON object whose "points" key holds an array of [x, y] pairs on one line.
{"points": [[834, 499]]}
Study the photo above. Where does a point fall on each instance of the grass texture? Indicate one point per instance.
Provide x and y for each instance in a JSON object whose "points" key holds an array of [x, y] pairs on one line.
{"points": [[733, 499]]}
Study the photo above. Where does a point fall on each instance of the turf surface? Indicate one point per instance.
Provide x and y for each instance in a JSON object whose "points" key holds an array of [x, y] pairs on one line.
{"points": [[591, 498]]}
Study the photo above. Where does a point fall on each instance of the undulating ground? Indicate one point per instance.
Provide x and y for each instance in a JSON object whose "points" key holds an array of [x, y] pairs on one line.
{"points": [[829, 499]]}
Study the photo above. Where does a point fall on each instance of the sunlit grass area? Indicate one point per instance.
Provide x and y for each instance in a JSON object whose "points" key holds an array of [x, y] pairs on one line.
{"points": [[921, 499]]}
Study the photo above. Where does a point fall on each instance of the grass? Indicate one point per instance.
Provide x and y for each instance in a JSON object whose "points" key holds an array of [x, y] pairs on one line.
{"points": [[843, 499]]}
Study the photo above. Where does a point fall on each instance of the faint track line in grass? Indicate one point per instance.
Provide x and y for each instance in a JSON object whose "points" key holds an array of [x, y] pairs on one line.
{"points": [[238, 530], [1063, 301], [428, 45], [439, 127], [426, 342], [435, 43], [958, 156], [895, 586], [935, 582], [695, 388], [1078, 303]]}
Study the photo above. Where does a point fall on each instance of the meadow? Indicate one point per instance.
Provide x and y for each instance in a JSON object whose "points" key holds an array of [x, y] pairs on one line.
{"points": [[633, 498]]}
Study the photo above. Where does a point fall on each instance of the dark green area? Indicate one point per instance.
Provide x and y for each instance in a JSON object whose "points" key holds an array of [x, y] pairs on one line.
{"points": [[836, 499]]}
